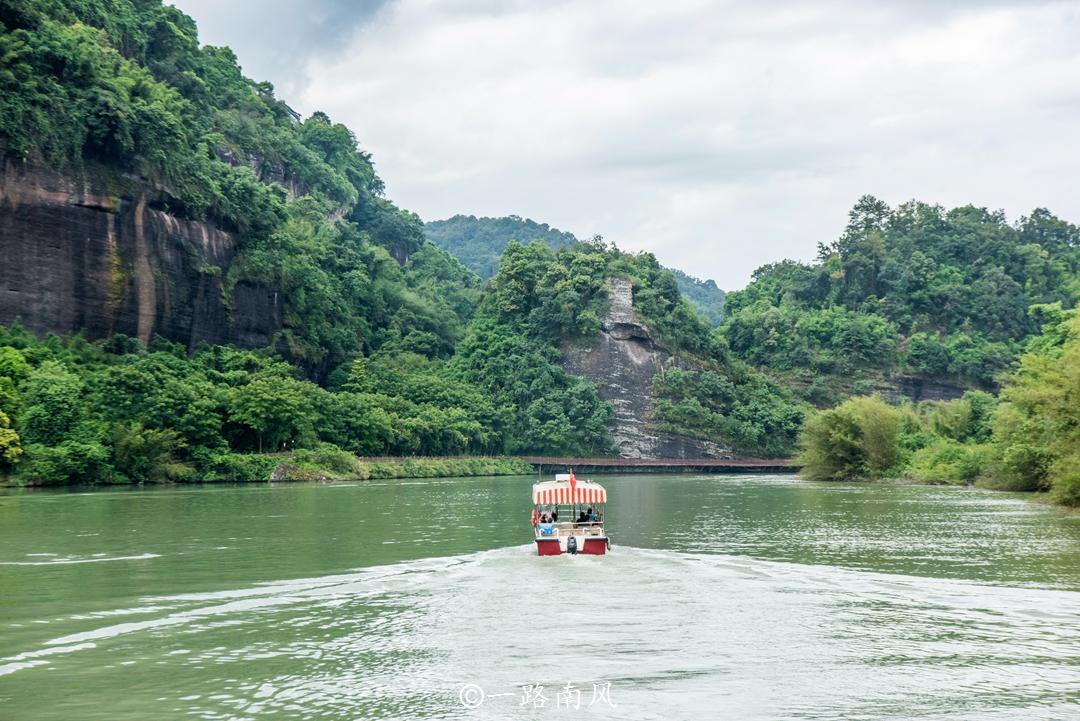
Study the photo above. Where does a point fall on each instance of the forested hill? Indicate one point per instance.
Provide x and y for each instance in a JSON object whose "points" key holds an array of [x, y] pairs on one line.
{"points": [[114, 103], [479, 242], [916, 292], [226, 278]]}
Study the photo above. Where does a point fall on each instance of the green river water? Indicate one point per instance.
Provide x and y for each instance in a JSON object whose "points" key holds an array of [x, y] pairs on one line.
{"points": [[725, 597]]}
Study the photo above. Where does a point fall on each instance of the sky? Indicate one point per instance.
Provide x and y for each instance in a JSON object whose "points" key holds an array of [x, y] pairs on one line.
{"points": [[721, 136]]}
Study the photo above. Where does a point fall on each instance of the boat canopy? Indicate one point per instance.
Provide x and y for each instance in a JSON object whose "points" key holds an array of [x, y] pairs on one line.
{"points": [[563, 492]]}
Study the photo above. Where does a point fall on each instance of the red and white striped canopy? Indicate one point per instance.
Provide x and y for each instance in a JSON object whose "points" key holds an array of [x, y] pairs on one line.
{"points": [[584, 492]]}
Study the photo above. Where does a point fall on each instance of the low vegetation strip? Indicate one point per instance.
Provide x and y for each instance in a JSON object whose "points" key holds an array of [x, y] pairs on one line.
{"points": [[331, 464], [662, 462], [1025, 439]]}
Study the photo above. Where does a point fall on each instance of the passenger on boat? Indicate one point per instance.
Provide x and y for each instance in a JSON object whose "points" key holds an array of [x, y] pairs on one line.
{"points": [[590, 516], [582, 518], [554, 515]]}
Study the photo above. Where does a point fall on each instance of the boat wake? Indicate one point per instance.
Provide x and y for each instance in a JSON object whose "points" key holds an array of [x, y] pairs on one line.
{"points": [[676, 635]]}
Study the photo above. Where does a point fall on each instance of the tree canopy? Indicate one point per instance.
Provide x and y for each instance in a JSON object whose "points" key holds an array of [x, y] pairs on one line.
{"points": [[915, 290], [480, 242]]}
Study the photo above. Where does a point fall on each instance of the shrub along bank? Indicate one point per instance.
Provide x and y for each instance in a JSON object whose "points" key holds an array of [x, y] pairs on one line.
{"points": [[1026, 439]]}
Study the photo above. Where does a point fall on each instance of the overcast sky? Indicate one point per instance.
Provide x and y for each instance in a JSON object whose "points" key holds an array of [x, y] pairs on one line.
{"points": [[719, 135]]}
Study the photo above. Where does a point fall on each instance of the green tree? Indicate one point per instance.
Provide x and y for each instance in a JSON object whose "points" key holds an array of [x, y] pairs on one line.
{"points": [[10, 449], [279, 411], [1037, 427], [857, 439], [53, 400], [147, 454]]}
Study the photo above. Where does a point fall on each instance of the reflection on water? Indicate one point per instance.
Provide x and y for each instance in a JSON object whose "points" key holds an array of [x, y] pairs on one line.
{"points": [[742, 598]]}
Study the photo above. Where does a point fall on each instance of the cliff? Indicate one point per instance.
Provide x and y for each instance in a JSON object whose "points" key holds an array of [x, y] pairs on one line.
{"points": [[622, 360], [98, 253]]}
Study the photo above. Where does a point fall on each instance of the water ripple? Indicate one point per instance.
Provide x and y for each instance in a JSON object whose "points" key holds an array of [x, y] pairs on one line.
{"points": [[678, 635]]}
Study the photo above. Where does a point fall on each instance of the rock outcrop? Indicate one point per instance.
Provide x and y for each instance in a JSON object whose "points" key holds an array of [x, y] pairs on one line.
{"points": [[622, 360], [100, 254]]}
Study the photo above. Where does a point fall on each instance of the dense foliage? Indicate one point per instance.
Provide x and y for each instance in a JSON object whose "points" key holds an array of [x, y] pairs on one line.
{"points": [[704, 295], [379, 353], [479, 242], [543, 299], [392, 347], [916, 290], [124, 85], [1037, 428], [1026, 440], [112, 411]]}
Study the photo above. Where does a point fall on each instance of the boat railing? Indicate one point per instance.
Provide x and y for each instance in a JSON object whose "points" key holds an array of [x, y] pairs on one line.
{"points": [[568, 528]]}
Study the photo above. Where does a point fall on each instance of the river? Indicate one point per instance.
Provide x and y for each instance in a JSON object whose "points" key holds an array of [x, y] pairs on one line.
{"points": [[725, 597]]}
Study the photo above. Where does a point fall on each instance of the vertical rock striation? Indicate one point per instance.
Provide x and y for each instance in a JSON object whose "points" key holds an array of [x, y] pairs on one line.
{"points": [[622, 360], [98, 254]]}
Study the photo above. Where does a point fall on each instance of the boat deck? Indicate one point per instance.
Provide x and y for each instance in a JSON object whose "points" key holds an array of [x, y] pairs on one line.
{"points": [[567, 528]]}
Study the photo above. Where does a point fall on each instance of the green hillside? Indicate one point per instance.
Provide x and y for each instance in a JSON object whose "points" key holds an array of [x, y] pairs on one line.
{"points": [[126, 84], [387, 345], [915, 291], [479, 242]]}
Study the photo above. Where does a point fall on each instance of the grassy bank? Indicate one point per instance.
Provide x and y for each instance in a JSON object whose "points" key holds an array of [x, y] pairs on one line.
{"points": [[326, 464], [331, 464]]}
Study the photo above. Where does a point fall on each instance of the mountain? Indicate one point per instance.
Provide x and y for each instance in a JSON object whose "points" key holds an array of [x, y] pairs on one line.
{"points": [[157, 191], [916, 300], [704, 295], [617, 320], [479, 242], [195, 275]]}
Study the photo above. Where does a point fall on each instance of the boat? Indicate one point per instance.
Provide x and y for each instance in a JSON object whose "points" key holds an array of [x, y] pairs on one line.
{"points": [[569, 498]]}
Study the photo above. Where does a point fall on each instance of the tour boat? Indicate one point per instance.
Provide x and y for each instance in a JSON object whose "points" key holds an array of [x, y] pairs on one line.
{"points": [[578, 525]]}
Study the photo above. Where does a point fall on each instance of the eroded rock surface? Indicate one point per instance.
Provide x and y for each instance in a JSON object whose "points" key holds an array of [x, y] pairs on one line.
{"points": [[622, 360], [100, 255]]}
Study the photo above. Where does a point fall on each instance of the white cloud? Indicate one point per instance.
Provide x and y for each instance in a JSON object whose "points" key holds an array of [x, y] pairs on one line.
{"points": [[721, 136]]}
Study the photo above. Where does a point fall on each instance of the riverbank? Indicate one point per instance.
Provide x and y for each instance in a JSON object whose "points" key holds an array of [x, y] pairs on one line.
{"points": [[333, 465], [322, 465]]}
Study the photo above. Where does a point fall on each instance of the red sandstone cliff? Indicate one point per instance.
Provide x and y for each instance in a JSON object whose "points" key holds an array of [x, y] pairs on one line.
{"points": [[97, 253]]}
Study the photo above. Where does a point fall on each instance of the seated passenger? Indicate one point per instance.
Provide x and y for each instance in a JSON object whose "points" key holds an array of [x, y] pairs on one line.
{"points": [[590, 516], [582, 518]]}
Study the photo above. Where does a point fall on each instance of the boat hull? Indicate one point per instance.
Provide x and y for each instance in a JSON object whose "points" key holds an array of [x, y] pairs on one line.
{"points": [[589, 546]]}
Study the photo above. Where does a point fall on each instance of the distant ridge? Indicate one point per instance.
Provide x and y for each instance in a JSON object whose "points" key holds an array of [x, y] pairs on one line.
{"points": [[479, 242]]}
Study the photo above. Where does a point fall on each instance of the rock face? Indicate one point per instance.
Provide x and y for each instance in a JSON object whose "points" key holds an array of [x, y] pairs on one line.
{"points": [[98, 254], [622, 360], [921, 389]]}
